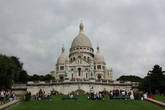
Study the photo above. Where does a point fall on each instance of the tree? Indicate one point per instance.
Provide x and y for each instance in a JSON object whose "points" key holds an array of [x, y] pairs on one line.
{"points": [[7, 71], [154, 81], [48, 77], [131, 78], [35, 77], [23, 76], [19, 66], [11, 71]]}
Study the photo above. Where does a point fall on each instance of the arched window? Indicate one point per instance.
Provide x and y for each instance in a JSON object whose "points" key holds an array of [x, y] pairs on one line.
{"points": [[79, 71], [61, 77], [99, 76], [73, 58], [72, 76], [88, 59], [85, 58]]}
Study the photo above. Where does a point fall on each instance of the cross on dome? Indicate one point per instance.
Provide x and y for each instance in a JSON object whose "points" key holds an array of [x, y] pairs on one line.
{"points": [[63, 49], [98, 48], [81, 27]]}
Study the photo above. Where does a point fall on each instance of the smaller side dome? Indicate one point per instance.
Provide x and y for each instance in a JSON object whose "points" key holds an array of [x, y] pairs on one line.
{"points": [[67, 59], [98, 57], [62, 58]]}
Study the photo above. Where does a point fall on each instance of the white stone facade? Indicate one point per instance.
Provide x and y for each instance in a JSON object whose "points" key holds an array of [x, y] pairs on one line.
{"points": [[82, 63], [68, 87]]}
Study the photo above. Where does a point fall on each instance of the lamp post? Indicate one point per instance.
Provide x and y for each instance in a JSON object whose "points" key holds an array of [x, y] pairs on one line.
{"points": [[149, 82]]}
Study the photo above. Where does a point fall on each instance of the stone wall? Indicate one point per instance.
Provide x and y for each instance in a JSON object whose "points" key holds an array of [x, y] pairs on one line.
{"points": [[19, 88], [67, 87]]}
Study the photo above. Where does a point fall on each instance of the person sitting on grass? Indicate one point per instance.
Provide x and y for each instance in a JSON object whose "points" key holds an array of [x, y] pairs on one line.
{"points": [[14, 96], [1, 101], [71, 96], [102, 94], [97, 95], [110, 95], [49, 97], [145, 95], [37, 96], [41, 94], [7, 96], [2, 95]]}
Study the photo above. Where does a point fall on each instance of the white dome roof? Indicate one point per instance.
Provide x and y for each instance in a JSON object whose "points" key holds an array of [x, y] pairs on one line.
{"points": [[62, 58], [81, 39], [98, 57]]}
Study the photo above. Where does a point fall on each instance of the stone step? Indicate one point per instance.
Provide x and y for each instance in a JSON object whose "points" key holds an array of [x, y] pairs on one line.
{"points": [[162, 104], [9, 104]]}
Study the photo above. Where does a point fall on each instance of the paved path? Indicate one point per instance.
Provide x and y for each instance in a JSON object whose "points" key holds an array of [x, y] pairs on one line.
{"points": [[9, 104], [162, 104]]}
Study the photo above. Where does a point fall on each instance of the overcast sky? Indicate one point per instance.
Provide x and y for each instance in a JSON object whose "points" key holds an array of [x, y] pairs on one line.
{"points": [[131, 33]]}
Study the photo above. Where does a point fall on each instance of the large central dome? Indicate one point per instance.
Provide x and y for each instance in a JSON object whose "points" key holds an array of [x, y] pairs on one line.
{"points": [[81, 39]]}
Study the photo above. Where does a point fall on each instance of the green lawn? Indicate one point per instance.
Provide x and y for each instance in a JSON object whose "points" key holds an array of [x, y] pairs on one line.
{"points": [[161, 98], [84, 104], [20, 95]]}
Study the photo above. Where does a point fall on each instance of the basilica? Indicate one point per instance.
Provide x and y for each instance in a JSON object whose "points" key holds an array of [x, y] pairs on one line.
{"points": [[80, 70], [82, 63]]}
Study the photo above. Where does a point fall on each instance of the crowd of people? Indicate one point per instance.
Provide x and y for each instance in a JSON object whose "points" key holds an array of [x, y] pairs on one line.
{"points": [[117, 94], [97, 96], [7, 96], [40, 95], [121, 92]]}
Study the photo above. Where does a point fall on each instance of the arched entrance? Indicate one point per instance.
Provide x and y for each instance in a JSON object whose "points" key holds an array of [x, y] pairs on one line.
{"points": [[99, 77], [61, 77], [79, 91]]}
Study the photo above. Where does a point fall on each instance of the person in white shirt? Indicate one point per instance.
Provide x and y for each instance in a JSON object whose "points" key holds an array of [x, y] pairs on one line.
{"points": [[2, 95], [145, 95], [132, 95], [123, 93]]}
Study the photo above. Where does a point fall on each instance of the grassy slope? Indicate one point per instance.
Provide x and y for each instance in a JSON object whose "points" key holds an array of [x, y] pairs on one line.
{"points": [[83, 104], [161, 98], [20, 95]]}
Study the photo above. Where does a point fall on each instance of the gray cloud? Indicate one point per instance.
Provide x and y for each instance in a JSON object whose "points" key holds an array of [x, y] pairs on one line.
{"points": [[130, 33]]}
